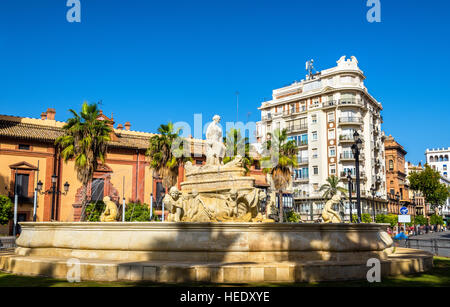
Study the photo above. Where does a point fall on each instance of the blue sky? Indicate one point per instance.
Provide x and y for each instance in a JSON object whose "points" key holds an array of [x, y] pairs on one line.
{"points": [[151, 62]]}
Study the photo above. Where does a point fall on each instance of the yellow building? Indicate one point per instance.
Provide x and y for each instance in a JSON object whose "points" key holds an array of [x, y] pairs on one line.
{"points": [[28, 155]]}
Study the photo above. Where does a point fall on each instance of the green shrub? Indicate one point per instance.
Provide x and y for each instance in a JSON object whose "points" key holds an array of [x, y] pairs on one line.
{"points": [[6, 210], [436, 220], [94, 210], [420, 220], [293, 217], [137, 212], [365, 218], [390, 219]]}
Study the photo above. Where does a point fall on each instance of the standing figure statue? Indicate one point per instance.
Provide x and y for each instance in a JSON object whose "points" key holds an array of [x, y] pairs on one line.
{"points": [[215, 149], [110, 213], [328, 214]]}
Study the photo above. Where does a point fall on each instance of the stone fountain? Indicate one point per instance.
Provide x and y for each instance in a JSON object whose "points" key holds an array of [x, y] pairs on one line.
{"points": [[215, 234]]}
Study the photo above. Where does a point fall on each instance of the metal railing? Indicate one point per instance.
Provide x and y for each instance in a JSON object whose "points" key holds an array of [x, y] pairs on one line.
{"points": [[7, 243], [350, 120], [293, 128], [438, 247]]}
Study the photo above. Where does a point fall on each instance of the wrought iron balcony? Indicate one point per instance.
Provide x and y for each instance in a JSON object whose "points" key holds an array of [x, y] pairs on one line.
{"points": [[350, 120], [296, 128]]}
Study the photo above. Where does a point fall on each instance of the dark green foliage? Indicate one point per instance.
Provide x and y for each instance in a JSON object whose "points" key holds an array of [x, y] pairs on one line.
{"points": [[6, 210], [137, 212], [94, 210], [236, 144], [436, 220], [293, 217], [428, 182], [390, 219]]}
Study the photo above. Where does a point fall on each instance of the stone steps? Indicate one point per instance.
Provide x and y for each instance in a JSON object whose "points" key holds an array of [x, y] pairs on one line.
{"points": [[403, 261]]}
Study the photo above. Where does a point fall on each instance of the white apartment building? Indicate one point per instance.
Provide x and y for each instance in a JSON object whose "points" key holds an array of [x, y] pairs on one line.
{"points": [[321, 114], [438, 159]]}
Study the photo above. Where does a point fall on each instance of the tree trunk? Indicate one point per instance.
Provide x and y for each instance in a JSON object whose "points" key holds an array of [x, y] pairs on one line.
{"points": [[280, 205], [83, 203]]}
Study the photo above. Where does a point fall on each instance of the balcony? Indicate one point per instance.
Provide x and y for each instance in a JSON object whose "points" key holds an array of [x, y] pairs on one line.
{"points": [[349, 139], [302, 160], [301, 179], [267, 117], [329, 104], [302, 143], [348, 156], [343, 175], [296, 128], [350, 121], [352, 102]]}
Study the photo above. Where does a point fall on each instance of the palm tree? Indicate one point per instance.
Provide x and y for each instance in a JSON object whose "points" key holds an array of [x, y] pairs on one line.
{"points": [[85, 139], [235, 145], [279, 158], [167, 153], [332, 187]]}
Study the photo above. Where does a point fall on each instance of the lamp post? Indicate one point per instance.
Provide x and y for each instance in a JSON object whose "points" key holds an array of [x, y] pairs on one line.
{"points": [[53, 191], [356, 149], [350, 183], [373, 191]]}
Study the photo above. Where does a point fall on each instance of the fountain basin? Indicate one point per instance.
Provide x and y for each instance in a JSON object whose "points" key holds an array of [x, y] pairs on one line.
{"points": [[205, 251]]}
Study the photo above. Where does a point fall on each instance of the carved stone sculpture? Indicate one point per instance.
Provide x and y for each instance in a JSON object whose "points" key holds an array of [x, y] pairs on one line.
{"points": [[110, 212], [328, 214], [215, 150], [174, 203]]}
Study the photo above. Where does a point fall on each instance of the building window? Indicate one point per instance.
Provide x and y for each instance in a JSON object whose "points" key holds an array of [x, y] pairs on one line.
{"points": [[315, 170], [22, 181], [314, 119], [314, 153], [198, 162], [331, 134], [314, 136], [333, 169], [98, 185], [331, 117], [24, 147], [332, 151], [391, 165]]}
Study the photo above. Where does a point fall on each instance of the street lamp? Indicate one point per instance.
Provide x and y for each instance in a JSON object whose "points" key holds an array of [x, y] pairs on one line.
{"points": [[53, 191], [356, 149], [373, 191], [350, 182]]}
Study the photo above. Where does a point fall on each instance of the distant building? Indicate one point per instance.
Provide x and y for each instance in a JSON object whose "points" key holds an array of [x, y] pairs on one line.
{"points": [[321, 115], [396, 177], [438, 159]]}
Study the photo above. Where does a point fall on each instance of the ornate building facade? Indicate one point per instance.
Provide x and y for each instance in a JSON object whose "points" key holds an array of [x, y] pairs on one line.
{"points": [[28, 155], [321, 115]]}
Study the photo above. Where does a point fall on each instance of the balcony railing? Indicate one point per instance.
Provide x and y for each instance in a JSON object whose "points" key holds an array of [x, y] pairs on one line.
{"points": [[301, 178], [349, 138], [302, 143], [302, 160], [344, 174], [350, 120], [353, 102], [295, 128], [350, 156]]}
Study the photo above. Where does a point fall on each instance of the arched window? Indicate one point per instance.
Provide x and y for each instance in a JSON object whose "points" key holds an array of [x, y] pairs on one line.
{"points": [[446, 158], [441, 158], [431, 159]]}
